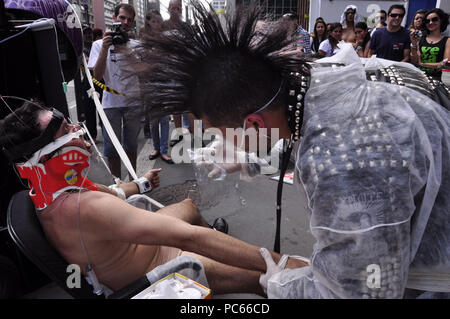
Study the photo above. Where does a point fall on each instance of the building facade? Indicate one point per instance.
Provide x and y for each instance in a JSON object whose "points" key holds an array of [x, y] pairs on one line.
{"points": [[98, 13], [273, 9]]}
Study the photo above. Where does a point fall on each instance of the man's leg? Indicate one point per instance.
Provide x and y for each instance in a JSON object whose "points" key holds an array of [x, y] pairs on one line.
{"points": [[178, 125], [133, 159], [189, 215], [114, 164], [131, 129], [224, 279]]}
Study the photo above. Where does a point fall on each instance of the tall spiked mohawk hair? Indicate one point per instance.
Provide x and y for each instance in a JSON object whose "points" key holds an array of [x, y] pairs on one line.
{"points": [[212, 68]]}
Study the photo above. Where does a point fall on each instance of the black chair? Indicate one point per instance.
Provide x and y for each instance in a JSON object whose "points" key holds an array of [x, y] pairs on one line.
{"points": [[26, 232]]}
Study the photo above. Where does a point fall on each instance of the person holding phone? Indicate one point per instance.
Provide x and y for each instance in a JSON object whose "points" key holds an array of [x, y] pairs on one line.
{"points": [[432, 51]]}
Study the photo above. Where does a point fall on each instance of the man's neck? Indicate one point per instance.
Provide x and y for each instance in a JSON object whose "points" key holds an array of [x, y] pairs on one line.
{"points": [[393, 29]]}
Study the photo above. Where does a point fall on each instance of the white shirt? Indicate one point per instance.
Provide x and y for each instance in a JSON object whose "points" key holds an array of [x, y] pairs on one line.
{"points": [[325, 46], [117, 76]]}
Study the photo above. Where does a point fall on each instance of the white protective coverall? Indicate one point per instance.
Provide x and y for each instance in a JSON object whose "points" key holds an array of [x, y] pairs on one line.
{"points": [[375, 164]]}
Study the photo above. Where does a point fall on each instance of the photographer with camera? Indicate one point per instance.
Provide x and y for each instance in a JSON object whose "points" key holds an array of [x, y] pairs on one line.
{"points": [[431, 51], [107, 58]]}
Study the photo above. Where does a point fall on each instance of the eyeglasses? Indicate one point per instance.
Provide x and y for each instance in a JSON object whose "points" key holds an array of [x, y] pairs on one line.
{"points": [[396, 15], [434, 19]]}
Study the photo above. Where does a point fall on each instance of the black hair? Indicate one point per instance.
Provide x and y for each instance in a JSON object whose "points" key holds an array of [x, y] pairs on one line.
{"points": [[443, 17], [125, 6], [316, 41], [20, 126], [362, 25], [152, 13], [420, 11], [290, 16], [221, 72], [97, 33], [396, 6], [333, 41]]}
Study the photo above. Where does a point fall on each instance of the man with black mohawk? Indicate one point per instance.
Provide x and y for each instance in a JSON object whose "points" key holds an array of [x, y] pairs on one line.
{"points": [[372, 157]]}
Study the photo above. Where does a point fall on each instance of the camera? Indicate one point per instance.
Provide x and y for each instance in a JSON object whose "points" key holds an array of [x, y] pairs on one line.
{"points": [[418, 34], [118, 35]]}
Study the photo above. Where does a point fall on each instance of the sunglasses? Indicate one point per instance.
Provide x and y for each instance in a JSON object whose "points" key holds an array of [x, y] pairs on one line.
{"points": [[396, 15], [435, 19]]}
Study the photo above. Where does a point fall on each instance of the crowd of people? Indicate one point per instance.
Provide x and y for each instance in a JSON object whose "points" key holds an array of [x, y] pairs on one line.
{"points": [[422, 44], [375, 176], [104, 61]]}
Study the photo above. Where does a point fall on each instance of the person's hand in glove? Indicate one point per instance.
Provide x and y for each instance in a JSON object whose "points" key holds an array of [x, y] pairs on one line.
{"points": [[272, 268], [212, 158]]}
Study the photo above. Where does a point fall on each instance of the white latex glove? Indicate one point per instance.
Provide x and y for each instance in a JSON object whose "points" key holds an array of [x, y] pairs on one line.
{"points": [[272, 268], [211, 158]]}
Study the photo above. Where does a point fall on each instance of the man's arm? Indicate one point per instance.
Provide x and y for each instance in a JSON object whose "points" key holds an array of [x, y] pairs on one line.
{"points": [[372, 46], [406, 54], [107, 218], [131, 188], [100, 64]]}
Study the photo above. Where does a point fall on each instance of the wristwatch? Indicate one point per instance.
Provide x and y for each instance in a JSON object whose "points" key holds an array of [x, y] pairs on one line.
{"points": [[143, 185], [413, 46]]}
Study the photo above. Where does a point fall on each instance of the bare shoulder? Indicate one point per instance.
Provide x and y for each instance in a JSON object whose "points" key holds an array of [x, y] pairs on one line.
{"points": [[97, 201]]}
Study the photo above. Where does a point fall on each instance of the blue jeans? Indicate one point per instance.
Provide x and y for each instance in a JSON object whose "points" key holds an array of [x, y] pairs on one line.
{"points": [[160, 142], [124, 120]]}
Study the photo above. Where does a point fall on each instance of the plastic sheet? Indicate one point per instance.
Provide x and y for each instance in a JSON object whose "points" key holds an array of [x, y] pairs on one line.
{"points": [[374, 161]]}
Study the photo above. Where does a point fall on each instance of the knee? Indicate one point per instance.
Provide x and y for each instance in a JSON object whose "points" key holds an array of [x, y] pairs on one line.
{"points": [[192, 210]]}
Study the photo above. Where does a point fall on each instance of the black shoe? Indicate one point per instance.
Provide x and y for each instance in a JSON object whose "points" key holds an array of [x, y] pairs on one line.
{"points": [[168, 161], [221, 225], [154, 156]]}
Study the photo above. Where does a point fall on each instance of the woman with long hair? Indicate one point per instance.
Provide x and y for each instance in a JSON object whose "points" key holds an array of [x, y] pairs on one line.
{"points": [[362, 37], [330, 46], [417, 23], [319, 35], [432, 51]]}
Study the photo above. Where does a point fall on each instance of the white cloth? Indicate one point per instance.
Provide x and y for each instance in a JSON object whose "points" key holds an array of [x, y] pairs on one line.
{"points": [[343, 15], [325, 46], [374, 161], [116, 75]]}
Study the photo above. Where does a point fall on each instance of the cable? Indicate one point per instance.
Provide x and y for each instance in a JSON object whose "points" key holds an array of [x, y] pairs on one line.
{"points": [[284, 165], [23, 31]]}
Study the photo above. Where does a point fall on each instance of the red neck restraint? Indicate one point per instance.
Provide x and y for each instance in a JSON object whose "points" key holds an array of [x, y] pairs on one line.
{"points": [[61, 173]]}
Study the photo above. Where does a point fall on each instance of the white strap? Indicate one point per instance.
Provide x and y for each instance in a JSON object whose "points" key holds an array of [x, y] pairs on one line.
{"points": [[47, 149], [109, 130], [111, 134]]}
